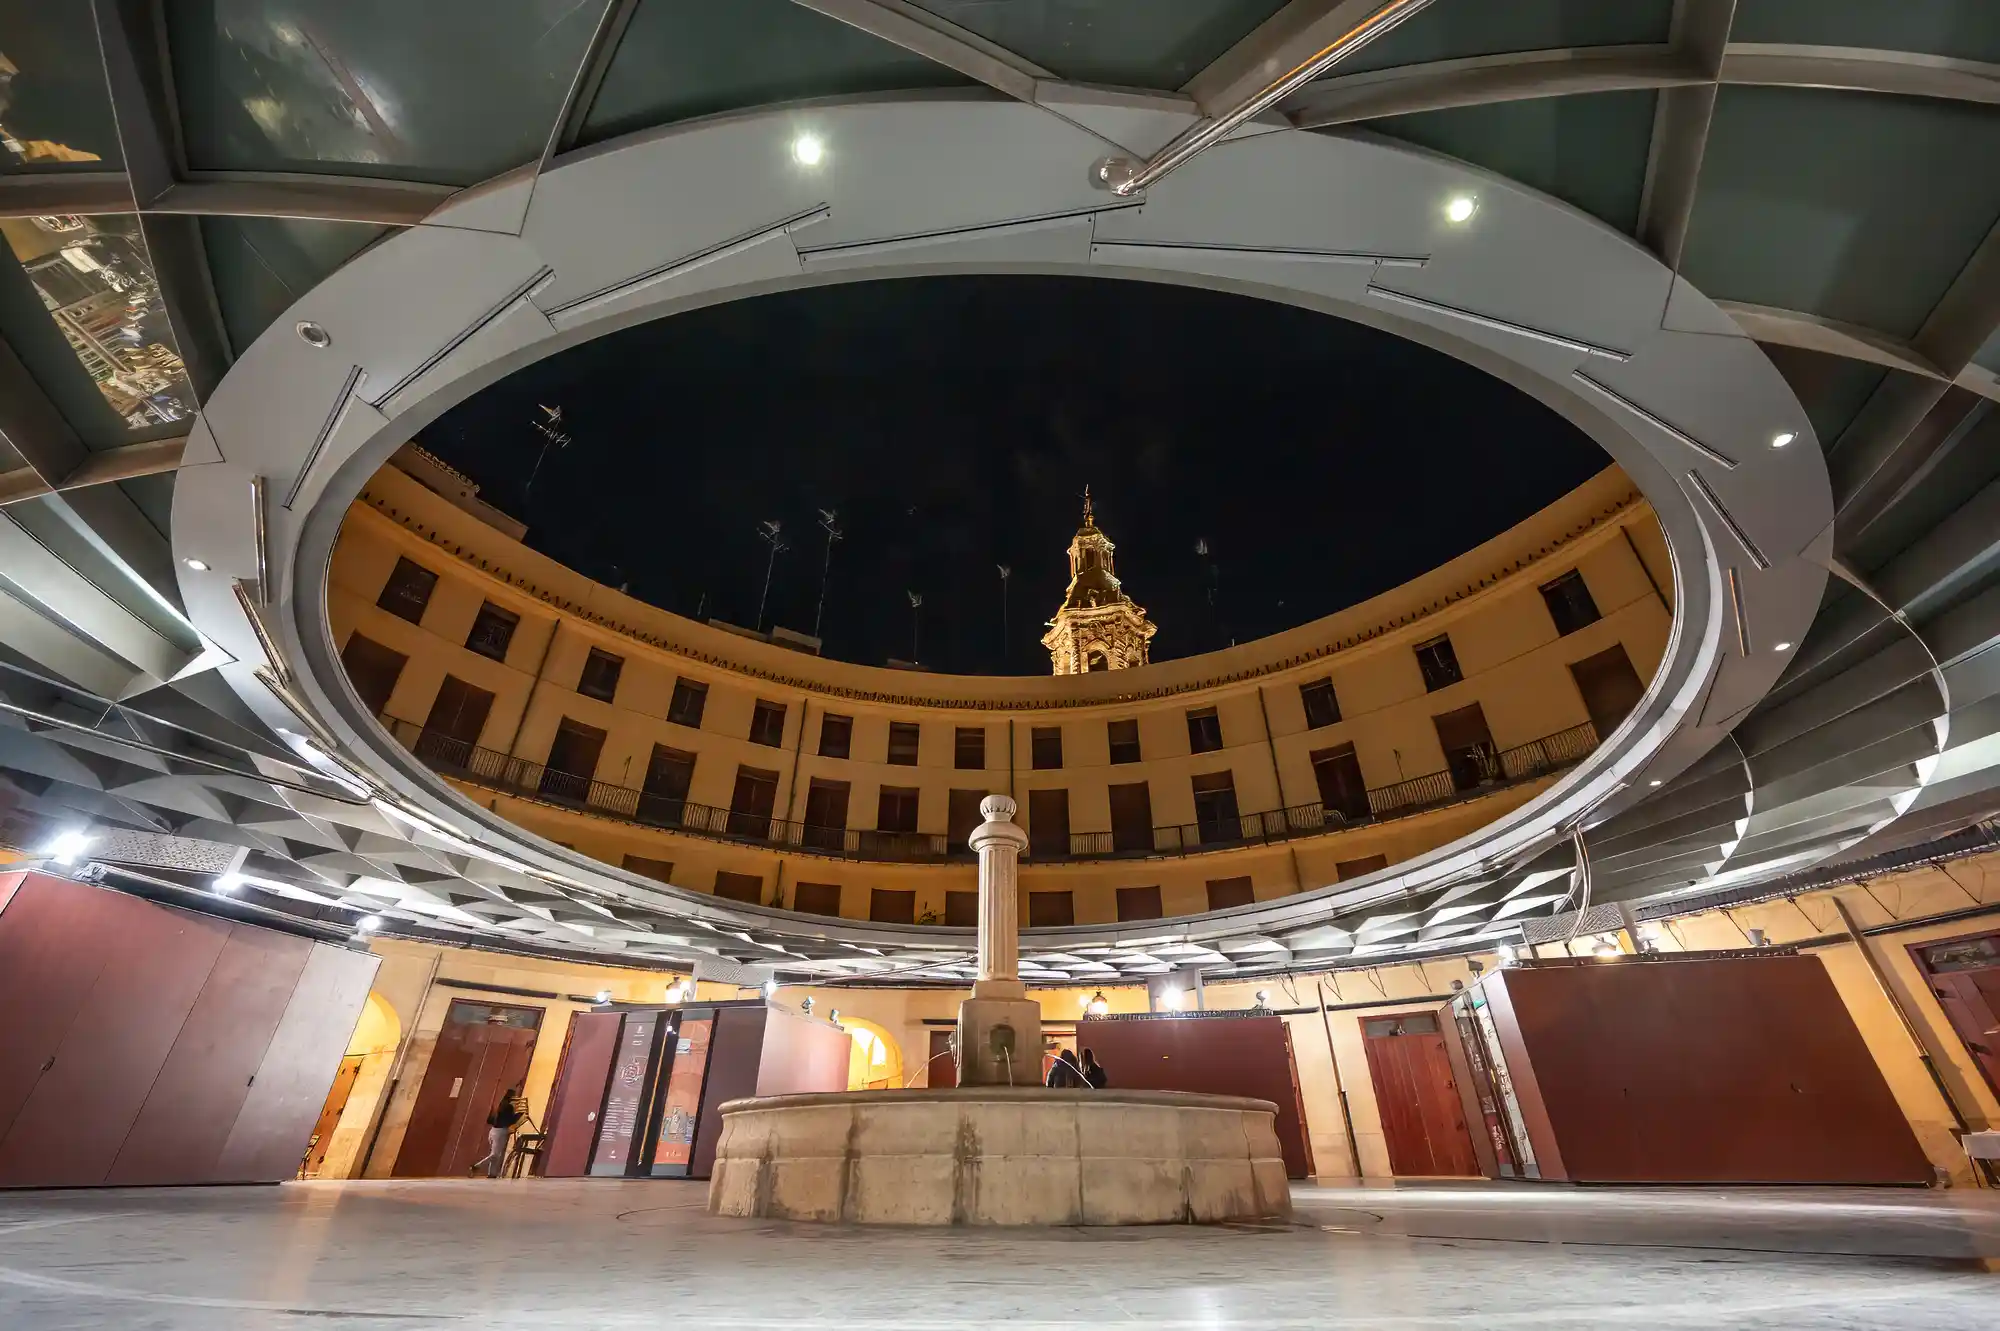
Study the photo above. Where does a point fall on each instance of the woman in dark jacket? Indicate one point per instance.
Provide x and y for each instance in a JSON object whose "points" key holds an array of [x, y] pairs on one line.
{"points": [[499, 1130], [1093, 1071]]}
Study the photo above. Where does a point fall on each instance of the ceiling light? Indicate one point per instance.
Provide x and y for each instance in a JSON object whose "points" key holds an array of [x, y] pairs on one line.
{"points": [[1781, 646], [1654, 782], [198, 565], [313, 335], [1605, 951], [770, 988], [1460, 210], [368, 924], [807, 150], [1782, 438], [68, 846], [603, 997], [1170, 997]]}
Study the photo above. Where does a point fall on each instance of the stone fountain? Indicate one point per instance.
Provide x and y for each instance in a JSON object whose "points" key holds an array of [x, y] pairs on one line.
{"points": [[1000, 1149]]}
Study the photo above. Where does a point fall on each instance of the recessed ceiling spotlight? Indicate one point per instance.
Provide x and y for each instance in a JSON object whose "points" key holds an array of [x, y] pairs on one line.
{"points": [[313, 335], [1460, 209], [68, 846], [1781, 646], [228, 882], [808, 150], [368, 924], [1782, 438], [1653, 782], [603, 996], [198, 565]]}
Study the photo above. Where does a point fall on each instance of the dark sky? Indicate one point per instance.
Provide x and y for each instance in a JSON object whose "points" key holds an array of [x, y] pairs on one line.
{"points": [[952, 423]]}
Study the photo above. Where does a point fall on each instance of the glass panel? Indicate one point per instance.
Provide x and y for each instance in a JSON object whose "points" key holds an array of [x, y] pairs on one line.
{"points": [[261, 265], [1848, 205], [95, 280], [446, 90], [1965, 29], [1136, 43], [55, 110], [1832, 389], [1989, 355], [1589, 151], [686, 58], [1453, 31]]}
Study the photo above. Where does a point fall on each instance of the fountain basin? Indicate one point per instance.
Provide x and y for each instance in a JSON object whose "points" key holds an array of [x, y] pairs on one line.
{"points": [[1000, 1156]]}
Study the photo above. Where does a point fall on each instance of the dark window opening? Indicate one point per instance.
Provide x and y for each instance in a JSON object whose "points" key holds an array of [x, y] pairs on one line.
{"points": [[1124, 737], [892, 906], [1611, 688], [660, 871], [492, 631], [1341, 789], [1468, 747], [1439, 663], [904, 737], [1570, 603], [1132, 817], [1414, 1023], [961, 910], [1367, 864], [1204, 730], [896, 809], [1048, 824], [689, 700], [663, 799], [408, 591], [745, 887], [1229, 893], [572, 764], [751, 802], [1215, 812], [1051, 910], [1322, 704], [968, 750], [826, 815], [1139, 903], [373, 671], [962, 817], [836, 736], [1045, 748], [457, 717], [816, 898], [767, 725], [600, 675]]}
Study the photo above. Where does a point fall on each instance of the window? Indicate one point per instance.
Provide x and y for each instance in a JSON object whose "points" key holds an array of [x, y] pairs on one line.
{"points": [[408, 591], [896, 809], [1414, 1023], [836, 736], [1341, 789], [892, 906], [1322, 706], [660, 871], [1345, 869], [457, 717], [373, 671], [689, 699], [1468, 747], [572, 763], [1229, 893], [747, 887], [903, 738], [1048, 824], [961, 910], [1611, 688], [1215, 807], [1132, 817], [751, 802], [1045, 748], [767, 724], [492, 631], [663, 799], [600, 675], [1204, 730], [968, 749], [826, 815], [1570, 603], [961, 817], [1050, 910], [1439, 663], [817, 898], [1139, 903], [1124, 741]]}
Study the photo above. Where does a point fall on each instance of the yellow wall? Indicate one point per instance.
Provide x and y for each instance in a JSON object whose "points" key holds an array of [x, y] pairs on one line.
{"points": [[908, 1016], [1516, 668]]}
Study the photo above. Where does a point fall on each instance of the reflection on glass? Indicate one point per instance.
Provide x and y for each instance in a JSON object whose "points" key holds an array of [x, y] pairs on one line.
{"points": [[96, 281], [55, 111]]}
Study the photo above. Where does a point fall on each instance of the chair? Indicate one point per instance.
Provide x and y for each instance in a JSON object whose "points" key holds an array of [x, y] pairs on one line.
{"points": [[528, 1149]]}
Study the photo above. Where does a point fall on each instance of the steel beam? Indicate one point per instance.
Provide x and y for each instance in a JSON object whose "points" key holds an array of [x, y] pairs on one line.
{"points": [[1482, 80], [130, 42], [1848, 69], [1700, 34], [1277, 45], [113, 464], [923, 33], [590, 71]]}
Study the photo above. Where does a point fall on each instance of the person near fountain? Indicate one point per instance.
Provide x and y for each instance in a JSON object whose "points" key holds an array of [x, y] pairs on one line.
{"points": [[1093, 1072], [1065, 1075]]}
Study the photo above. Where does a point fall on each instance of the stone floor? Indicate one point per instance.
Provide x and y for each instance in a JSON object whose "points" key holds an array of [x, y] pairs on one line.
{"points": [[596, 1254]]}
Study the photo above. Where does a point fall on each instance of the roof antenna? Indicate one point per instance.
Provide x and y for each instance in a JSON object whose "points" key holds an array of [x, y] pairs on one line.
{"points": [[767, 531], [833, 533]]}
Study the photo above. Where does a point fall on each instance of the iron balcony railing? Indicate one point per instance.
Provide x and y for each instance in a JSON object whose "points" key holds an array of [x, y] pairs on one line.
{"points": [[1473, 772]]}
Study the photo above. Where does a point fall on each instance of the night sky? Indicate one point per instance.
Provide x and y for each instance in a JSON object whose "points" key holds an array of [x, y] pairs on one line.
{"points": [[952, 423]]}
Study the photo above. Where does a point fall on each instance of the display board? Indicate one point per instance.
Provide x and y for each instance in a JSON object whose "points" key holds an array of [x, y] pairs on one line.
{"points": [[632, 1074], [673, 1152]]}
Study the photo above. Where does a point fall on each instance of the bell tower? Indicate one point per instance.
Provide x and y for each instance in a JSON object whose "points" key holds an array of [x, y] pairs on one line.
{"points": [[1097, 627]]}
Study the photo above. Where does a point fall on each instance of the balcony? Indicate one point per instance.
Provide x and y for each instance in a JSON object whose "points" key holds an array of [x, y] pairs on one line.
{"points": [[1477, 773]]}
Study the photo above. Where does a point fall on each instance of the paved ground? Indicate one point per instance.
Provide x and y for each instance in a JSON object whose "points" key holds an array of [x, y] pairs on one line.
{"points": [[597, 1254]]}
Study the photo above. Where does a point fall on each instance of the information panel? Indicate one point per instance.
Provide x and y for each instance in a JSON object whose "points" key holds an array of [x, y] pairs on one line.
{"points": [[683, 1108], [625, 1101]]}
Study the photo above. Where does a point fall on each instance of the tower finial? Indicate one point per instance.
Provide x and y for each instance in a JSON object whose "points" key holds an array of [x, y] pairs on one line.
{"points": [[1088, 520]]}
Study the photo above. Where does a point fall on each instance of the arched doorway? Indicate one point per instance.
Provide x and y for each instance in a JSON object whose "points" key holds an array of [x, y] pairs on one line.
{"points": [[874, 1062], [371, 1048]]}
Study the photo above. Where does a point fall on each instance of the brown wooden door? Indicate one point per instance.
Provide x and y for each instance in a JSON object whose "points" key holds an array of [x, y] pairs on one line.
{"points": [[579, 1094], [483, 1049], [1132, 816], [943, 1067], [1611, 688], [1468, 746], [329, 1115], [1341, 787], [1048, 824], [1423, 1119], [373, 671], [572, 764], [751, 803], [460, 711]]}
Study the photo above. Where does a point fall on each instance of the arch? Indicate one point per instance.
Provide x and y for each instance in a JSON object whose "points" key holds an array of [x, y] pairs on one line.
{"points": [[379, 1031], [874, 1060]]}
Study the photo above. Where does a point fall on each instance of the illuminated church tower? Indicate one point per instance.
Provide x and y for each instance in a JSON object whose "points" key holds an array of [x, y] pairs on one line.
{"points": [[1098, 627]]}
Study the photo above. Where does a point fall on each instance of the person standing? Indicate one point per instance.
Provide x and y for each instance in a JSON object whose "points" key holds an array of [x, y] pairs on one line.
{"points": [[499, 1131], [1066, 1075], [1093, 1072]]}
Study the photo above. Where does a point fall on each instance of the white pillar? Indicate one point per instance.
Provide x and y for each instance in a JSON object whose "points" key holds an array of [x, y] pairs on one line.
{"points": [[998, 842]]}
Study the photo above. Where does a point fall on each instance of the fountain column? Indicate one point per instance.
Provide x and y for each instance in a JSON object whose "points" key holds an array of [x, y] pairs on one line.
{"points": [[999, 1027]]}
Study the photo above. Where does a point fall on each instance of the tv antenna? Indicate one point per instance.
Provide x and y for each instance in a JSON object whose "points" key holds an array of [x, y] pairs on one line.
{"points": [[767, 531]]}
